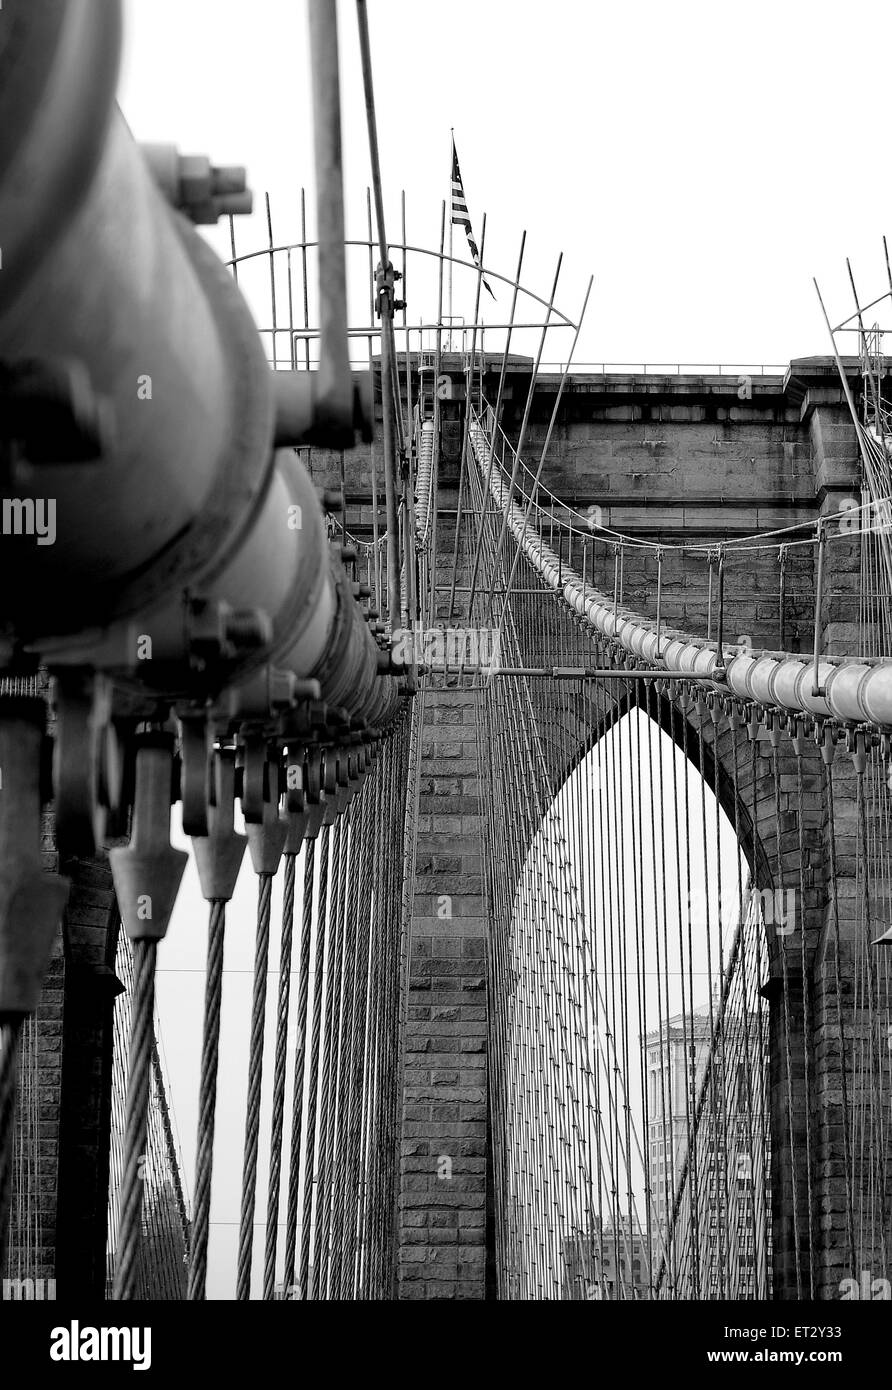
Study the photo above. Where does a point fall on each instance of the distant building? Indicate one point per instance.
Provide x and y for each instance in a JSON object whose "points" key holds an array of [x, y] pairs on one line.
{"points": [[163, 1257], [610, 1264], [723, 1151], [674, 1074]]}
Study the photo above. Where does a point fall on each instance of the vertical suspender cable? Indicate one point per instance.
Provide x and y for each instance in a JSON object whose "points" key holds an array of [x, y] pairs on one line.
{"points": [[207, 1101], [297, 1108], [278, 1116], [218, 858], [329, 1041], [142, 1011], [385, 309], [312, 1102], [255, 1078]]}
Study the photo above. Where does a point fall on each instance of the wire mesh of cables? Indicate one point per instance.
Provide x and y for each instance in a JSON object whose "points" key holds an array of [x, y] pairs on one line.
{"points": [[635, 928], [31, 1167], [164, 1246], [869, 1127], [327, 1157], [30, 1053], [595, 1008]]}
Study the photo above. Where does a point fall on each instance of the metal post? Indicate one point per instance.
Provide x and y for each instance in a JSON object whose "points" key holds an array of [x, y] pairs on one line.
{"points": [[819, 589], [719, 671], [334, 398]]}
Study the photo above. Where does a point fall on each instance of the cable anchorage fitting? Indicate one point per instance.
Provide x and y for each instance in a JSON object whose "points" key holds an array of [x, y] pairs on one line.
{"points": [[219, 852], [858, 744], [266, 837], [147, 873]]}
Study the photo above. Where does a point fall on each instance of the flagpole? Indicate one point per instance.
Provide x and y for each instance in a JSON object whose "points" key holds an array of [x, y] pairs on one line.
{"points": [[451, 166]]}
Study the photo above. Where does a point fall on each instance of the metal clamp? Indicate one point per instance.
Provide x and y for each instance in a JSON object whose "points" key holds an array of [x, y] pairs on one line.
{"points": [[147, 873], [266, 837], [219, 852]]}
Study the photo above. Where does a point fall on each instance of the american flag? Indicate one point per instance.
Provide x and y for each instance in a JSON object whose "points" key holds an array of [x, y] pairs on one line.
{"points": [[460, 213]]}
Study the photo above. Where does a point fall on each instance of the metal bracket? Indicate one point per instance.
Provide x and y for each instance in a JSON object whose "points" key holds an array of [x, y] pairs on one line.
{"points": [[147, 873]]}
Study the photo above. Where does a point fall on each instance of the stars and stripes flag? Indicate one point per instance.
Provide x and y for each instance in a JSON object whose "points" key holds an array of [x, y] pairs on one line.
{"points": [[460, 214]]}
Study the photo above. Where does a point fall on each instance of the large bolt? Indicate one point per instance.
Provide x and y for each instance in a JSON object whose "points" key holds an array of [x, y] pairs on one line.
{"points": [[219, 632], [285, 689], [245, 629], [203, 191]]}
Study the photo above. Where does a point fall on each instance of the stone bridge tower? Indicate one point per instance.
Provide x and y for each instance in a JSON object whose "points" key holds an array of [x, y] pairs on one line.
{"points": [[664, 458]]}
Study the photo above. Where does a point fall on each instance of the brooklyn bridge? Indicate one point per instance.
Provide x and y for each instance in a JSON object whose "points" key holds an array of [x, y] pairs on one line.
{"points": [[535, 711]]}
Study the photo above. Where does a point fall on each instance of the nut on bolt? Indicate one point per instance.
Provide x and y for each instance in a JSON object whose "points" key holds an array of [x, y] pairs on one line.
{"points": [[245, 629], [285, 689], [203, 191], [219, 632]]}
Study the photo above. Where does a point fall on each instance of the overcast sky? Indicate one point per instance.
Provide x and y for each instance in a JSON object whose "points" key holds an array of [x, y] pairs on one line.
{"points": [[701, 160]]}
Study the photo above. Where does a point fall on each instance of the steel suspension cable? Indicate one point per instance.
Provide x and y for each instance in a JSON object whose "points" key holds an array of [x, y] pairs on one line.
{"points": [[142, 1011], [207, 1102], [297, 1106], [310, 1173], [255, 1081], [278, 1101]]}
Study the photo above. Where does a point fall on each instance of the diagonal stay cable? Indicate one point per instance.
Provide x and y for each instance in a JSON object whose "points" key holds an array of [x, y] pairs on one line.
{"points": [[544, 454], [525, 421], [385, 310]]}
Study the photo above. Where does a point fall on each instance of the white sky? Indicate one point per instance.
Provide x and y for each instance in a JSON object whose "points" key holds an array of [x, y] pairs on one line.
{"points": [[702, 160]]}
